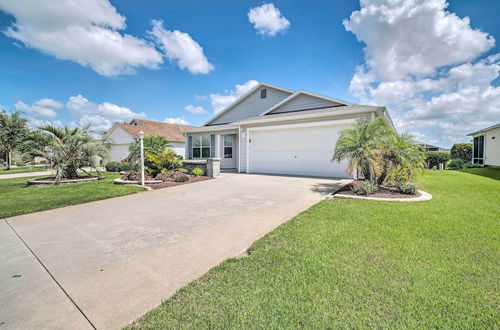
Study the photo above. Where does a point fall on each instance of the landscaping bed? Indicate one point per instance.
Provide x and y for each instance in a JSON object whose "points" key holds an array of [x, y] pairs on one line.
{"points": [[382, 192], [192, 178]]}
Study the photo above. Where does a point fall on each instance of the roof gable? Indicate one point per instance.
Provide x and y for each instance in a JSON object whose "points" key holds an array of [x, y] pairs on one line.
{"points": [[304, 100], [250, 104]]}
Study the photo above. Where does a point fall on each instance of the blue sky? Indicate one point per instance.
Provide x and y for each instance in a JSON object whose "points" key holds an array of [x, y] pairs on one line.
{"points": [[220, 50]]}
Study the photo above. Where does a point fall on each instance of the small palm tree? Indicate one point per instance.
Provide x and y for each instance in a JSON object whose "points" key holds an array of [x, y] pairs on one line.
{"points": [[398, 151], [69, 150], [153, 143], [359, 143]]}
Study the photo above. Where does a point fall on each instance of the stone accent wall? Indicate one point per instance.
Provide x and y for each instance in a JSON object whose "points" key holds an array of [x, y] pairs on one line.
{"points": [[210, 166]]}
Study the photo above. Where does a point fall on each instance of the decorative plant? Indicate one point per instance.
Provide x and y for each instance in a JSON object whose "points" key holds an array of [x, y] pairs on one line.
{"points": [[167, 160], [406, 188], [365, 187], [197, 171], [153, 144], [69, 150], [455, 164]]}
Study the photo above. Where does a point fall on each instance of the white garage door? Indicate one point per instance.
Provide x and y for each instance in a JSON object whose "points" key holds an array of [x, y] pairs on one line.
{"points": [[296, 151]]}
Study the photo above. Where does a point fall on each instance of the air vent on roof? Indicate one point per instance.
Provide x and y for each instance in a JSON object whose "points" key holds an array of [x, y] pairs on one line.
{"points": [[263, 93]]}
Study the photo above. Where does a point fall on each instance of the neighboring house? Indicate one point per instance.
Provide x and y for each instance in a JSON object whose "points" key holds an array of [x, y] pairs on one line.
{"points": [[487, 146], [122, 136], [279, 131], [430, 147]]}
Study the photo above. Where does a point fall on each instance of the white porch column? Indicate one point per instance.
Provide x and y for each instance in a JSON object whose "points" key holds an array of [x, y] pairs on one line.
{"points": [[217, 145]]}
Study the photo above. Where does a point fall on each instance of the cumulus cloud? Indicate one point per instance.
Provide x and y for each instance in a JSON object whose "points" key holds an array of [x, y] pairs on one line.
{"points": [[99, 116], [195, 109], [180, 48], [423, 63], [86, 32], [176, 120], [220, 101], [268, 20], [43, 108]]}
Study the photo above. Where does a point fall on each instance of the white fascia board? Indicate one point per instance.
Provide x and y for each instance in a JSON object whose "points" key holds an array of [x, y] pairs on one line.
{"points": [[484, 129], [307, 116], [303, 92], [208, 129], [243, 97]]}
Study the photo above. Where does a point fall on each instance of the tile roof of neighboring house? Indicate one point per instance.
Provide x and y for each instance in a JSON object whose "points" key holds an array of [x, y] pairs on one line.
{"points": [[172, 132]]}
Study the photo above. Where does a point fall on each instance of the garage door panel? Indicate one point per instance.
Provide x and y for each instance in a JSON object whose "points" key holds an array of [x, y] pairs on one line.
{"points": [[296, 151]]}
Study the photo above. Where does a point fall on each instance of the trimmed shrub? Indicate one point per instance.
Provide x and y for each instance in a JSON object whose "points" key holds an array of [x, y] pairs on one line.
{"points": [[365, 187], [433, 159], [462, 151], [455, 164], [407, 188], [179, 177], [135, 176], [121, 166], [197, 171], [472, 165]]}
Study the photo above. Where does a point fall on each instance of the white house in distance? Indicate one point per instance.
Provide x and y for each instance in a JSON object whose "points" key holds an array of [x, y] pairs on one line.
{"points": [[123, 135], [279, 131], [486, 149], [430, 147]]}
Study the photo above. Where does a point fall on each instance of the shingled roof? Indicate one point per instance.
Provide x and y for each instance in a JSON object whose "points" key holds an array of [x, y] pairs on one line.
{"points": [[172, 132]]}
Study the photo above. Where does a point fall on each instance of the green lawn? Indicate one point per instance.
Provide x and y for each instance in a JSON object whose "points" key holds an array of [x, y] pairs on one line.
{"points": [[362, 264], [23, 169], [16, 198]]}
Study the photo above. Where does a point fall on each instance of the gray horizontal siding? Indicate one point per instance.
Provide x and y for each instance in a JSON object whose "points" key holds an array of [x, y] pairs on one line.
{"points": [[252, 106], [303, 102]]}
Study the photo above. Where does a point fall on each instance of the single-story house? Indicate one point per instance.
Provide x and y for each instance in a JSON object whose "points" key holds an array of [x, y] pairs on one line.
{"points": [[276, 130], [486, 149], [430, 147], [123, 135]]}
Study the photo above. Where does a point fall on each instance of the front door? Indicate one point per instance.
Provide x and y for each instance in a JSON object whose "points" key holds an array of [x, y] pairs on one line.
{"points": [[228, 151]]}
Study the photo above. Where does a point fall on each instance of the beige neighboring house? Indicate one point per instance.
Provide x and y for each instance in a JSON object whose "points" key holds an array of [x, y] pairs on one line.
{"points": [[487, 146], [122, 136], [276, 130]]}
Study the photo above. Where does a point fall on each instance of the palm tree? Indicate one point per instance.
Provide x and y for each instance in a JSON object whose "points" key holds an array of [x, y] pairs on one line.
{"points": [[398, 150], [13, 129], [153, 143], [359, 143], [69, 150]]}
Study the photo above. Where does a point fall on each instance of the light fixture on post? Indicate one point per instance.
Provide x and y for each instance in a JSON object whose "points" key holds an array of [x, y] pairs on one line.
{"points": [[141, 136]]}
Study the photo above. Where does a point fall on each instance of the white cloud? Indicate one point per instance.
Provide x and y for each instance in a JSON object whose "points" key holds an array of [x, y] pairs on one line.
{"points": [[35, 123], [421, 62], [268, 20], [179, 47], [86, 32], [195, 109], [44, 108], [220, 101], [176, 120]]}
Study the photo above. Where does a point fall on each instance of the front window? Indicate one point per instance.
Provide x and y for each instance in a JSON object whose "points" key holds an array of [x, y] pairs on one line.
{"points": [[201, 146], [228, 146], [478, 149]]}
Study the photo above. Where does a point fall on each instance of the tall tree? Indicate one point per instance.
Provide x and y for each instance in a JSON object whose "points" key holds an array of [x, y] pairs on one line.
{"points": [[13, 130]]}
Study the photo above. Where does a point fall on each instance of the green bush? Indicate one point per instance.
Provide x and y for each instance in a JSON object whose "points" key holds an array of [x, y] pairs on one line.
{"points": [[472, 165], [181, 169], [197, 171], [462, 151], [179, 177], [365, 187], [407, 188], [167, 160], [455, 164], [433, 159], [121, 166]]}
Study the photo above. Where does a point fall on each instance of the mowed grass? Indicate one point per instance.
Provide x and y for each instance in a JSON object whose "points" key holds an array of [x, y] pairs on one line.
{"points": [[16, 198], [361, 264], [26, 169]]}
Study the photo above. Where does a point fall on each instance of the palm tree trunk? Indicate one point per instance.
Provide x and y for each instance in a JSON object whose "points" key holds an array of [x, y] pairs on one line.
{"points": [[382, 177]]}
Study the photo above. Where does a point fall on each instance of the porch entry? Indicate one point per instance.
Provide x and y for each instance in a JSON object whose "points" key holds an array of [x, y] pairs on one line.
{"points": [[228, 151]]}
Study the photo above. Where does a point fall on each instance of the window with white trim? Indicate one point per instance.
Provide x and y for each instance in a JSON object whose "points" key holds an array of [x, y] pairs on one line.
{"points": [[201, 146]]}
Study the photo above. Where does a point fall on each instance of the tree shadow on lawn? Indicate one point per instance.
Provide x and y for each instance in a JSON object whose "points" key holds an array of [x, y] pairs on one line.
{"points": [[488, 172]]}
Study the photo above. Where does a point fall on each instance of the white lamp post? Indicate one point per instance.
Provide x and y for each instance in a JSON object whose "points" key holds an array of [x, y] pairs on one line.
{"points": [[141, 136]]}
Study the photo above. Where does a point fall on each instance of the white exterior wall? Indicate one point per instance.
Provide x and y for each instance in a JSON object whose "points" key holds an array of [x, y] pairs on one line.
{"points": [[179, 148], [303, 102], [252, 106], [492, 147]]}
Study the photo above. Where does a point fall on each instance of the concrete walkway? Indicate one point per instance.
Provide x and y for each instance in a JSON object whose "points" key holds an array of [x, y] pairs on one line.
{"points": [[105, 263], [26, 174]]}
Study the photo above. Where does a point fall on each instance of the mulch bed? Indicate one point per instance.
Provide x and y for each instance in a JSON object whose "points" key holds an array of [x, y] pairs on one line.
{"points": [[166, 184], [383, 192]]}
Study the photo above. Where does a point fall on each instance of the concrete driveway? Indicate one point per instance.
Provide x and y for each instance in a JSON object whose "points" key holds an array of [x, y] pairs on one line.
{"points": [[105, 263]]}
